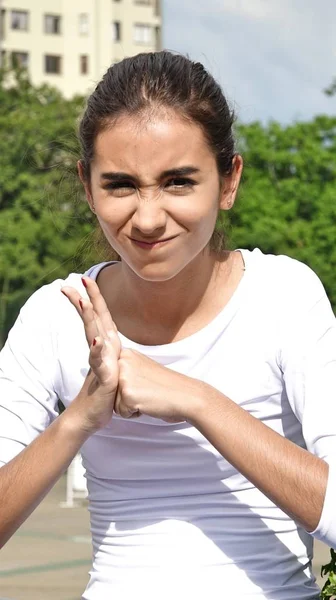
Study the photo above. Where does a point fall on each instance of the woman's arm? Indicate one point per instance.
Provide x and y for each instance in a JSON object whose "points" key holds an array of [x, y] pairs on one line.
{"points": [[27, 401], [26, 479], [293, 478]]}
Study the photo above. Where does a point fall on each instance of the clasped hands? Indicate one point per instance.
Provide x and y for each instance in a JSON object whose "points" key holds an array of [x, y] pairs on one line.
{"points": [[124, 380]]}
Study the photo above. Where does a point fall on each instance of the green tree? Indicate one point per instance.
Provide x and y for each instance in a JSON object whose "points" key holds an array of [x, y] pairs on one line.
{"points": [[329, 588], [331, 89], [43, 219], [287, 199]]}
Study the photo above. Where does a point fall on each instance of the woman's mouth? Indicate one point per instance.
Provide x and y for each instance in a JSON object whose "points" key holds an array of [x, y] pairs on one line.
{"points": [[152, 244]]}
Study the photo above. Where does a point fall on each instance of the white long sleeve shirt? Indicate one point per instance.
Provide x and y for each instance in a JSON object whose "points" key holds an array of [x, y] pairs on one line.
{"points": [[170, 517]]}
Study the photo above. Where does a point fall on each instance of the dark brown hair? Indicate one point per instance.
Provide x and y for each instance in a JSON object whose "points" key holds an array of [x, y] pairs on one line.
{"points": [[171, 81]]}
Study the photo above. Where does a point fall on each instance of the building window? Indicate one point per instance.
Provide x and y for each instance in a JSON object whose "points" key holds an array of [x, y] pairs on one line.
{"points": [[19, 20], [116, 31], [83, 24], [20, 59], [84, 64], [142, 34], [52, 24], [52, 64]]}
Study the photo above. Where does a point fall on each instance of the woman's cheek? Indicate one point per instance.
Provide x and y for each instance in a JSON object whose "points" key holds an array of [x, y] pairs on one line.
{"points": [[115, 211]]}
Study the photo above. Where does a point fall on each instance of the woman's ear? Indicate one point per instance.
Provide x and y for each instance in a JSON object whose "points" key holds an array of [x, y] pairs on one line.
{"points": [[230, 184], [86, 185]]}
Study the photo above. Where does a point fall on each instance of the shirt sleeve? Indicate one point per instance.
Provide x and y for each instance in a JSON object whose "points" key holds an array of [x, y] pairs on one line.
{"points": [[308, 362], [28, 363]]}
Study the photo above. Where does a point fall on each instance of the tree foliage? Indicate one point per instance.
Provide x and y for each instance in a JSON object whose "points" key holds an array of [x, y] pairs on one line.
{"points": [[329, 588], [331, 89], [287, 199], [42, 218]]}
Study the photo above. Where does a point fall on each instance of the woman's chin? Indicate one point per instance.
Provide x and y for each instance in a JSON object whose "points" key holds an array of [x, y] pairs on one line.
{"points": [[156, 271]]}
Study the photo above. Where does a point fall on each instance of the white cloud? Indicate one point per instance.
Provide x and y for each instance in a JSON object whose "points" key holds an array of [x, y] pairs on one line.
{"points": [[273, 57], [255, 9]]}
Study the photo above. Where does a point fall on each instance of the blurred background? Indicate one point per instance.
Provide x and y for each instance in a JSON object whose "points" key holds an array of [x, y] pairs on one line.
{"points": [[276, 62]]}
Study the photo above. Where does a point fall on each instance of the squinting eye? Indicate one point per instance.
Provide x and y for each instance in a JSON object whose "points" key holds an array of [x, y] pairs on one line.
{"points": [[116, 185], [180, 183], [120, 188]]}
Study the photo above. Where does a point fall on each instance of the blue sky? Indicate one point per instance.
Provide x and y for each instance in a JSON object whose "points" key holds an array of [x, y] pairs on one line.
{"points": [[273, 58]]}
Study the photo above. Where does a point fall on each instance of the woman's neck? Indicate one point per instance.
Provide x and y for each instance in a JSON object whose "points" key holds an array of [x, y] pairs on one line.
{"points": [[160, 312]]}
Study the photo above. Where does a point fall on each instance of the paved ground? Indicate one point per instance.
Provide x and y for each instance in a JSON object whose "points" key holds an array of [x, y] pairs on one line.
{"points": [[49, 557]]}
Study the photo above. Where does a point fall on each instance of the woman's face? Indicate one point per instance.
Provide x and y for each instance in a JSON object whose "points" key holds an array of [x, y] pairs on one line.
{"points": [[156, 192]]}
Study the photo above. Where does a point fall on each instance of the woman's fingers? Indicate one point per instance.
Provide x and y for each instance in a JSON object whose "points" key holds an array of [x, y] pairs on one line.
{"points": [[92, 322], [84, 308], [100, 386], [99, 304], [74, 297], [121, 408], [95, 315], [107, 327]]}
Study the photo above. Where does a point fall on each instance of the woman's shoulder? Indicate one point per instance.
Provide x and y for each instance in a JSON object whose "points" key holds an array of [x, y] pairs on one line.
{"points": [[48, 301], [280, 269], [281, 283]]}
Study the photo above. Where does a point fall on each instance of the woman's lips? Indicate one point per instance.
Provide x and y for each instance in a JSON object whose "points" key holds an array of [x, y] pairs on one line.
{"points": [[148, 245]]}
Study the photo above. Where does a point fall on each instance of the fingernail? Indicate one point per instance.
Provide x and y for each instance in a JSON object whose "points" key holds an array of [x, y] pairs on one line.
{"points": [[80, 302], [94, 342], [64, 294], [84, 282]]}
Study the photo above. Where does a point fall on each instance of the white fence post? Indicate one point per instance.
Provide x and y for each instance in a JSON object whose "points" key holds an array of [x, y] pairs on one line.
{"points": [[75, 482]]}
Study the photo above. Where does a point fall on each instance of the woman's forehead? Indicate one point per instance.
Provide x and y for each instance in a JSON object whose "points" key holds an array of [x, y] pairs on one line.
{"points": [[161, 142]]}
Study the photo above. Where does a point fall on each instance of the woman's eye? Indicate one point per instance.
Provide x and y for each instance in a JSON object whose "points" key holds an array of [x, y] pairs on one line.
{"points": [[180, 184], [120, 187]]}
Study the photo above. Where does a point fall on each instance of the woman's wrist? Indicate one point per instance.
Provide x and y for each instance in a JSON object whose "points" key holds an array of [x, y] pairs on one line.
{"points": [[199, 403], [75, 425], [208, 406]]}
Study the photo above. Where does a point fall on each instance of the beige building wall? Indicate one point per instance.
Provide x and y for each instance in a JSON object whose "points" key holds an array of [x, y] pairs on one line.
{"points": [[89, 36]]}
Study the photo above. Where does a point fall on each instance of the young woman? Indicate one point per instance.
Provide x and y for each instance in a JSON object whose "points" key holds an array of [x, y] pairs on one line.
{"points": [[206, 420]]}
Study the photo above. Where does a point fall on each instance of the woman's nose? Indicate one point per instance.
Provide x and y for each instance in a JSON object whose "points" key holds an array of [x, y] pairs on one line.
{"points": [[149, 215]]}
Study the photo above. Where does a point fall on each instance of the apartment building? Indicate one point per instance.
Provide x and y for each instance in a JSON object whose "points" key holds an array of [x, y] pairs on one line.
{"points": [[70, 44]]}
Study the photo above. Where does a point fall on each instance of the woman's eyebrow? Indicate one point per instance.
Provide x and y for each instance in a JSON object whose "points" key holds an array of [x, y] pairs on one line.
{"points": [[116, 176], [180, 172]]}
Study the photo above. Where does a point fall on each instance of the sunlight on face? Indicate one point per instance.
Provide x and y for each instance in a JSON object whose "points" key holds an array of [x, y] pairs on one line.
{"points": [[156, 191]]}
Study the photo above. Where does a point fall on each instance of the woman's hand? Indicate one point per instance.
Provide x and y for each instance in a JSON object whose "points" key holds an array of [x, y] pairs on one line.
{"points": [[95, 403], [146, 387]]}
